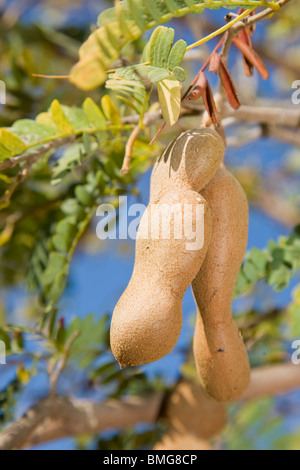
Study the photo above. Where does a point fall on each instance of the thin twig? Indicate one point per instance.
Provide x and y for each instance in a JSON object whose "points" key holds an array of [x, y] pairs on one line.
{"points": [[5, 199], [36, 154], [29, 159], [129, 148], [49, 77], [252, 20], [60, 366], [221, 30], [248, 23]]}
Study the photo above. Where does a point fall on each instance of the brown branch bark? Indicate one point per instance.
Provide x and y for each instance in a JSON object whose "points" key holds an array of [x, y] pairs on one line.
{"points": [[32, 157], [55, 417], [273, 380], [277, 207], [289, 117], [251, 21], [264, 114]]}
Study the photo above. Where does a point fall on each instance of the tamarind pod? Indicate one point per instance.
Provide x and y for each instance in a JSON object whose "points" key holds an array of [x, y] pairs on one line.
{"points": [[176, 441], [147, 320], [189, 162], [220, 355], [192, 419], [189, 410]]}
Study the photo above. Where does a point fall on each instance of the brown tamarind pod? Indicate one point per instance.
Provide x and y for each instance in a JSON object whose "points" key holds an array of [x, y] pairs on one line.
{"points": [[189, 162], [220, 355], [176, 441], [190, 410], [192, 419], [147, 320]]}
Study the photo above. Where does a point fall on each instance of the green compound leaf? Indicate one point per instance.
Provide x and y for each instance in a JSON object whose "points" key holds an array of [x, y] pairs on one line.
{"points": [[120, 25], [277, 264], [61, 121]]}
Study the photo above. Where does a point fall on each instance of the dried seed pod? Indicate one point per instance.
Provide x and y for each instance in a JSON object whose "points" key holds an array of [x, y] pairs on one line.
{"points": [[192, 419], [220, 355], [175, 441], [147, 319]]}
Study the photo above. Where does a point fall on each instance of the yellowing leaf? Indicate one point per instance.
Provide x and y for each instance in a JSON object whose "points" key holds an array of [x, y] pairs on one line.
{"points": [[4, 153], [46, 119], [110, 110], [6, 235], [96, 54], [88, 73], [11, 142], [59, 118], [94, 114], [169, 94]]}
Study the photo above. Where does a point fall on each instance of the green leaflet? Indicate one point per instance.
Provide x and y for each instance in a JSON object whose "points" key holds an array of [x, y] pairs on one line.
{"points": [[177, 54], [140, 72], [60, 121], [49, 266], [179, 74], [131, 82], [94, 114], [33, 132], [93, 333], [53, 252], [132, 92], [162, 47], [138, 15], [277, 264], [118, 28], [152, 43]]}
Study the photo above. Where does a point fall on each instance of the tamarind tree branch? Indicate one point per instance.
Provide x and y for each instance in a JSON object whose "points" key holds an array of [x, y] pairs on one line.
{"points": [[33, 156], [262, 114], [269, 381], [252, 20], [248, 23], [286, 119], [56, 417]]}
